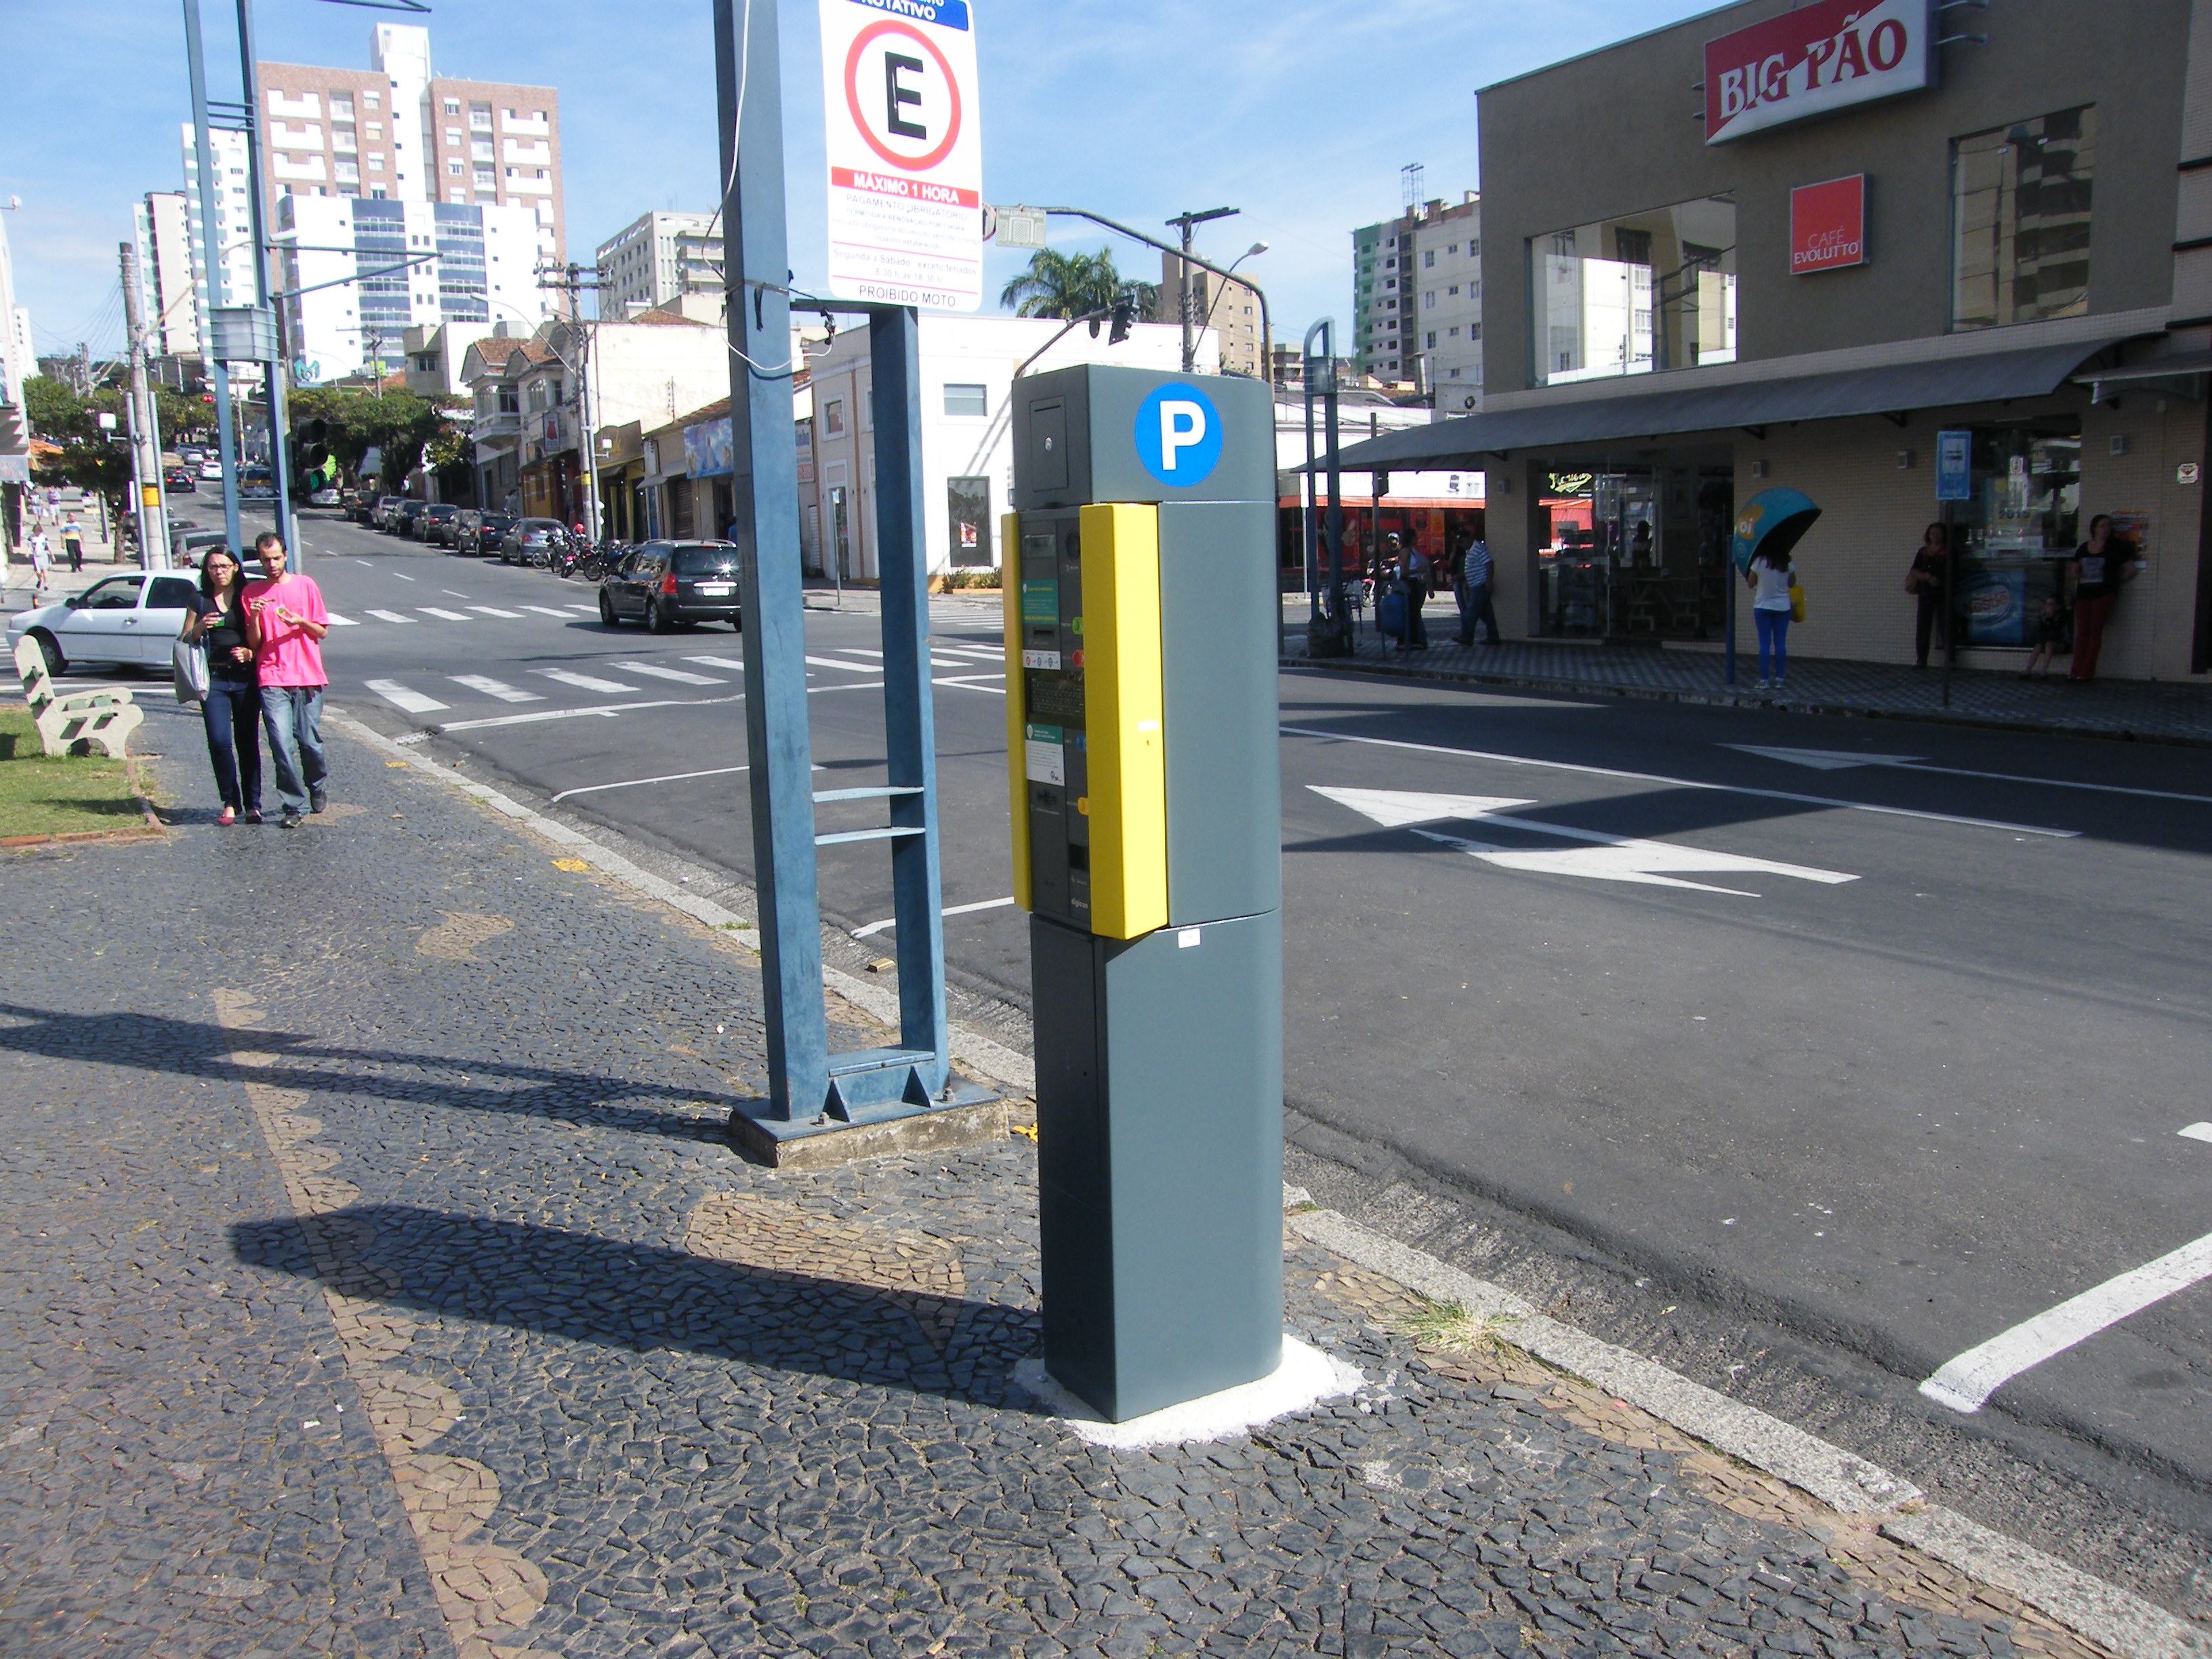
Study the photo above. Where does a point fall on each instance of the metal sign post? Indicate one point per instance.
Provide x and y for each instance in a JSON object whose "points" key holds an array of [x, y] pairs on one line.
{"points": [[1954, 482]]}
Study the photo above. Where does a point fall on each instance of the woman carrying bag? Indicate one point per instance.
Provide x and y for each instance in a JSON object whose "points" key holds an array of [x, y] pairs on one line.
{"points": [[1776, 598], [232, 703]]}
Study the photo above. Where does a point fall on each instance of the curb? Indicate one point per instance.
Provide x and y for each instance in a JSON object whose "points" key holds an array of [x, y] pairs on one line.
{"points": [[2105, 1613], [1711, 700]]}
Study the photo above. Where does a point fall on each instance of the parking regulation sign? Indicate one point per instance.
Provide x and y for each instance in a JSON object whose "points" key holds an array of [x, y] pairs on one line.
{"points": [[906, 157]]}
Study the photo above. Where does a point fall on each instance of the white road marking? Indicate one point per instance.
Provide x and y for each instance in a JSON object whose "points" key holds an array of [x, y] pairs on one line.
{"points": [[682, 676], [547, 611], [875, 927], [634, 783], [731, 663], [1823, 760], [337, 621], [968, 683], [588, 610], [1967, 1381], [444, 615], [494, 610], [400, 697], [404, 578], [2197, 1132], [1607, 858], [451, 594], [390, 616], [584, 682], [850, 667], [492, 688], [974, 653], [360, 561], [1682, 783]]}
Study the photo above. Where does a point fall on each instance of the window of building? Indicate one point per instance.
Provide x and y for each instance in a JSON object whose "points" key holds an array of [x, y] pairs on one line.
{"points": [[484, 179], [2020, 213], [1428, 258], [452, 107], [832, 415], [1454, 330], [372, 100], [376, 130], [375, 162], [1433, 340], [454, 169], [1430, 298], [967, 512], [1389, 264], [480, 117], [376, 192], [1454, 248], [966, 400], [453, 136], [1629, 295]]}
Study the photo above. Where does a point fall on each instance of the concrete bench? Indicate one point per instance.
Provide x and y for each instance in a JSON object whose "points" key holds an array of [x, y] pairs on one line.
{"points": [[102, 719]]}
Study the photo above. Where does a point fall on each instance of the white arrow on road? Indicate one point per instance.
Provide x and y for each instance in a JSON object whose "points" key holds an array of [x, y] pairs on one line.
{"points": [[1825, 760], [1607, 858]]}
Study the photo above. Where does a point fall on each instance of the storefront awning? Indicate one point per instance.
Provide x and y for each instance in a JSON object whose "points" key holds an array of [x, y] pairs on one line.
{"points": [[1470, 441]]}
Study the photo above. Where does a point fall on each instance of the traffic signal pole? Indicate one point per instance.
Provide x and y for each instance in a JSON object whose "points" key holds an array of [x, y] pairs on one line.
{"points": [[145, 430], [211, 263], [279, 467]]}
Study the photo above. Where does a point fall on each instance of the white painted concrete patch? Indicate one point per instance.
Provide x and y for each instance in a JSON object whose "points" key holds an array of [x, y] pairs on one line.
{"points": [[1306, 1377]]}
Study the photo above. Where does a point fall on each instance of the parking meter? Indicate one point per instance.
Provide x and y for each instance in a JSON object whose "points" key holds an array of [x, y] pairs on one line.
{"points": [[1141, 621]]}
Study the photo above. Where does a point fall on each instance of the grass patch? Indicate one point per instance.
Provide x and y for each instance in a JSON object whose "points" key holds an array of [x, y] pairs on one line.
{"points": [[1452, 1326], [63, 796]]}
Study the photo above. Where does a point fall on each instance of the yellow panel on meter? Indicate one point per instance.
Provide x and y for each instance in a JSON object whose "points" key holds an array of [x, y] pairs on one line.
{"points": [[1127, 804]]}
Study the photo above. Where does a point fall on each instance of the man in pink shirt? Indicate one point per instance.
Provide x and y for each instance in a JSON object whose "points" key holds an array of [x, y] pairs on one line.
{"points": [[285, 622]]}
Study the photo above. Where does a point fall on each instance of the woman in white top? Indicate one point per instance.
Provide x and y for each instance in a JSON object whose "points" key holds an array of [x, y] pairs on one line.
{"points": [[1769, 579]]}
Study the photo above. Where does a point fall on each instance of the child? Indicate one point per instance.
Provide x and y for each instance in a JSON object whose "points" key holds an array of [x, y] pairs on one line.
{"points": [[2050, 637]]}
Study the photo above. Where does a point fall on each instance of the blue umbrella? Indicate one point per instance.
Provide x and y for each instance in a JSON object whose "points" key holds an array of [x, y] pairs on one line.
{"points": [[1774, 518]]}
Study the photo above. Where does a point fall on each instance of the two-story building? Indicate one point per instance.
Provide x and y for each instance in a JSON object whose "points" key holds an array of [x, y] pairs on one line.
{"points": [[1889, 221]]}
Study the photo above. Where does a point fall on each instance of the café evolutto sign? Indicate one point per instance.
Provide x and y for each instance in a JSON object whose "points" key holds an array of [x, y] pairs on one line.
{"points": [[1819, 57]]}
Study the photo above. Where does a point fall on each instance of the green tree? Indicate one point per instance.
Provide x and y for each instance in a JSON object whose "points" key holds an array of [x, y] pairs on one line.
{"points": [[1072, 285], [55, 411]]}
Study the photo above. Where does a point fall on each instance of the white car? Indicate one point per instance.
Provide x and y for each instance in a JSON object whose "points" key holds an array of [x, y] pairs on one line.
{"points": [[211, 468], [132, 620]]}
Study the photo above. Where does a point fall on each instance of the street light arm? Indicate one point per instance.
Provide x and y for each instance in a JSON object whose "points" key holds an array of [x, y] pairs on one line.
{"points": [[1266, 331]]}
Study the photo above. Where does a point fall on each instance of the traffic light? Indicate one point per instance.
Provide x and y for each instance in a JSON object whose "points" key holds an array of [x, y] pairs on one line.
{"points": [[310, 443], [1125, 313]]}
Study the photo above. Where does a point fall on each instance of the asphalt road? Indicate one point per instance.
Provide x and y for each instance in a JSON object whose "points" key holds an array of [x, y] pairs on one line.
{"points": [[1894, 1039]]}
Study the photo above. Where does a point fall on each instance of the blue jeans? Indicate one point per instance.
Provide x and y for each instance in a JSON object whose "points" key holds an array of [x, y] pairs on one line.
{"points": [[1773, 641], [293, 715], [233, 740], [1475, 609]]}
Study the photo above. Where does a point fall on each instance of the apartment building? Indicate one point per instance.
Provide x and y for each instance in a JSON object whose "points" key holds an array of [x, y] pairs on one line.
{"points": [[399, 131], [1230, 308], [1447, 294], [166, 291], [1382, 259], [17, 365], [234, 227], [658, 259], [365, 272]]}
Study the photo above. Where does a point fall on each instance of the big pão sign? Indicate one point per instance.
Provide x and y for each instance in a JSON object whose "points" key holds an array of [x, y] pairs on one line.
{"points": [[1819, 57]]}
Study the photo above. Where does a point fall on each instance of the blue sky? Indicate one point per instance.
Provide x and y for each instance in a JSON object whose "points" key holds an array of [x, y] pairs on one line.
{"points": [[1297, 112]]}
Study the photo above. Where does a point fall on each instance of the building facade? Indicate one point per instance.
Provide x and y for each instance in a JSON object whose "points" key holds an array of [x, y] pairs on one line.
{"points": [[18, 363], [234, 227], [167, 295], [398, 132], [658, 260], [357, 297], [1447, 293], [2007, 235], [1230, 309]]}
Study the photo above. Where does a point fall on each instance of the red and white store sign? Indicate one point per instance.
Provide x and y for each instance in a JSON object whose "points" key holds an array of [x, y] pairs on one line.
{"points": [[1819, 57], [1827, 225]]}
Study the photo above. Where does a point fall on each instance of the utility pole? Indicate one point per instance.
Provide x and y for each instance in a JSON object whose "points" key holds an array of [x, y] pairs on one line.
{"points": [[1185, 222], [212, 257], [573, 282], [145, 431], [279, 462], [84, 369]]}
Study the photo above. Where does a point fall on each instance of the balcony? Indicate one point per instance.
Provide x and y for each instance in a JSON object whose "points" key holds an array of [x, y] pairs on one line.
{"points": [[538, 152], [503, 424], [526, 124], [306, 103], [303, 167]]}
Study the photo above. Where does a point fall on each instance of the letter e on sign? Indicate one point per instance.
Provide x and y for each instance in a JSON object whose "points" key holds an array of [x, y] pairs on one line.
{"points": [[1827, 225], [906, 162]]}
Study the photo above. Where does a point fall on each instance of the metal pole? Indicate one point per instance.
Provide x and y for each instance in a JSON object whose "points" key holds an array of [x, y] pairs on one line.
{"points": [[1729, 675], [279, 467], [758, 267], [587, 439], [1339, 631], [145, 428], [1948, 615], [1312, 499], [1189, 345], [211, 259]]}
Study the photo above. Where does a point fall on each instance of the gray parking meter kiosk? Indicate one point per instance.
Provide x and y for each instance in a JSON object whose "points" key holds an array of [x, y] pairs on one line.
{"points": [[1144, 788]]}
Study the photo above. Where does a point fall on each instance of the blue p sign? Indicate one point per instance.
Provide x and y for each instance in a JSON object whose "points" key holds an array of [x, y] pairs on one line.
{"points": [[1179, 435]]}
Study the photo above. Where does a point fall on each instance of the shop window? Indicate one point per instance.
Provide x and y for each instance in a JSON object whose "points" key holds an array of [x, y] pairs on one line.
{"points": [[1629, 295], [2023, 523], [2019, 212], [968, 507]]}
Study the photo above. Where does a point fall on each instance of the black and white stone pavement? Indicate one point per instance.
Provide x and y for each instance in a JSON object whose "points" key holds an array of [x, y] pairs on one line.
{"points": [[374, 1278]]}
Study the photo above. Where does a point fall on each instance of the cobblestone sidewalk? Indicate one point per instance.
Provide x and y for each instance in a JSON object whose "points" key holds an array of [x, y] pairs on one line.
{"points": [[2165, 712], [375, 1280]]}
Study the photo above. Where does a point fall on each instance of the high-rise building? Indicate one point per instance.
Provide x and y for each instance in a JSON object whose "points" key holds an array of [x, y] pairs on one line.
{"points": [[1381, 256], [17, 364], [399, 131], [661, 258], [356, 295], [1447, 294], [1231, 309], [168, 297], [233, 227]]}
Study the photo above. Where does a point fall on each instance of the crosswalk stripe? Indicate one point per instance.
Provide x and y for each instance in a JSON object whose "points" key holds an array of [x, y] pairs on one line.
{"points": [[676, 674], [494, 610], [543, 611], [492, 688], [444, 615], [400, 697], [731, 663], [850, 667], [584, 682], [588, 610], [337, 621], [390, 616]]}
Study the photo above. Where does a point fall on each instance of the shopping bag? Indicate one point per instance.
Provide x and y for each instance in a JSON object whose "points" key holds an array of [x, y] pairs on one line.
{"points": [[188, 666], [1797, 603]]}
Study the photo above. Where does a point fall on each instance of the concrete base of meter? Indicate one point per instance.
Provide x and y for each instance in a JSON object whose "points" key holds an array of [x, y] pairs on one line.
{"points": [[1159, 1091]]}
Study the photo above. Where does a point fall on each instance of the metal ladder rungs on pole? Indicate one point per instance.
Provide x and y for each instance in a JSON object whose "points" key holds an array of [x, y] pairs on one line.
{"points": [[874, 791], [836, 836]]}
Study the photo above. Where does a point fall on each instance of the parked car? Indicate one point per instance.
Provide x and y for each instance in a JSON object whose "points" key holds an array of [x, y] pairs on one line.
{"points": [[380, 515], [132, 620], [191, 454], [527, 539], [350, 503], [324, 498], [402, 522], [664, 584], [478, 532], [434, 523], [180, 479], [257, 483], [211, 468]]}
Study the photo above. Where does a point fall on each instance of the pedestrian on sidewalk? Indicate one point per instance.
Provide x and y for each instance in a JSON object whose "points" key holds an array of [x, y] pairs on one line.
{"points": [[2101, 565], [1475, 574], [1925, 581], [1770, 580], [285, 622], [73, 543], [1413, 569], [39, 563], [232, 707]]}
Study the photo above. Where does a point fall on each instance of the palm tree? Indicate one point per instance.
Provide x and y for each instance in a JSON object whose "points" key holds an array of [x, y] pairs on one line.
{"points": [[1072, 285]]}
